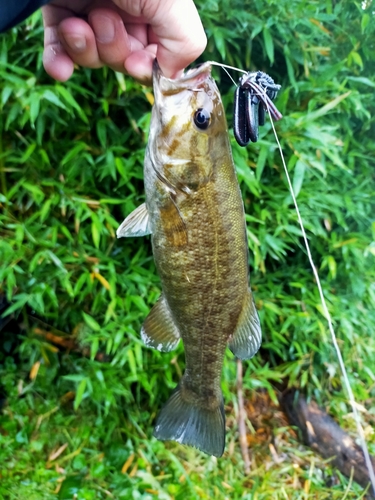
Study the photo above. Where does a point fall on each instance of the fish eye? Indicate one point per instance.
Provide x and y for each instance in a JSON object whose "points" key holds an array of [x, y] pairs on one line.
{"points": [[202, 118]]}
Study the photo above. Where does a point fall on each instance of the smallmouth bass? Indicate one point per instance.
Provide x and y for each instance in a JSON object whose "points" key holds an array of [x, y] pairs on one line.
{"points": [[194, 212]]}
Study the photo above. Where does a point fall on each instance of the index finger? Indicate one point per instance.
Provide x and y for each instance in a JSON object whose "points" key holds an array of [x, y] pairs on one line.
{"points": [[176, 24]]}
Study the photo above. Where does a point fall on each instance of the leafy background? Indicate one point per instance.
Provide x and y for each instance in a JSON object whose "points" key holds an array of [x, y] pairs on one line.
{"points": [[79, 420]]}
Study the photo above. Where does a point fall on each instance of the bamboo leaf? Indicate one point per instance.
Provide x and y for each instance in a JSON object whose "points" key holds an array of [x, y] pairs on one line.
{"points": [[90, 321], [268, 42], [298, 175], [323, 110], [80, 393]]}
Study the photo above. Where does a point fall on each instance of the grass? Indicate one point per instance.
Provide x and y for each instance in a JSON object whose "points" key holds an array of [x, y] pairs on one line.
{"points": [[49, 451]]}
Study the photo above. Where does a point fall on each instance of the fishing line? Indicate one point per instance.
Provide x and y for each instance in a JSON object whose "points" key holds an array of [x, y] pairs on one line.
{"points": [[221, 65], [230, 76], [327, 315], [225, 66]]}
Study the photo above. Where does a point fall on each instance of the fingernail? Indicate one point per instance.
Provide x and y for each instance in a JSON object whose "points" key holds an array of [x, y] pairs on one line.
{"points": [[104, 28], [76, 42]]}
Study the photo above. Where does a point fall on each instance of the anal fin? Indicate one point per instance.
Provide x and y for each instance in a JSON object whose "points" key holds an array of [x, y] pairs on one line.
{"points": [[247, 337], [159, 330], [136, 224]]}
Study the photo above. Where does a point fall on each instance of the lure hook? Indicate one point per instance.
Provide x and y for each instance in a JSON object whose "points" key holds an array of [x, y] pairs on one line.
{"points": [[254, 96]]}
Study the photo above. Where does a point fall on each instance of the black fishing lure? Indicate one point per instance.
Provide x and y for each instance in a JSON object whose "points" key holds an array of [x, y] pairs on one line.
{"points": [[253, 97]]}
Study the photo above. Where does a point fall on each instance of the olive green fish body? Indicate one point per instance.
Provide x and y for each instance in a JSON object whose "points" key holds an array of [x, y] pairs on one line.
{"points": [[205, 278], [196, 217]]}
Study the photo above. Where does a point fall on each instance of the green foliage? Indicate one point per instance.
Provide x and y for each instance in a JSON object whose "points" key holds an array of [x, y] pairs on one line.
{"points": [[71, 160]]}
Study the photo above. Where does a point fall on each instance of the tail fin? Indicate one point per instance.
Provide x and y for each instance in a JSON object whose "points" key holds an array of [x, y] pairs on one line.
{"points": [[191, 424]]}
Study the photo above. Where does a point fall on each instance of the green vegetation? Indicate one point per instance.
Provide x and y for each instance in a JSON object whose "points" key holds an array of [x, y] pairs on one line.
{"points": [[79, 421]]}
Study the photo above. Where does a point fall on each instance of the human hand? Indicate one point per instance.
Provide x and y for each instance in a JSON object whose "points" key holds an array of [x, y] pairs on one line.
{"points": [[125, 35]]}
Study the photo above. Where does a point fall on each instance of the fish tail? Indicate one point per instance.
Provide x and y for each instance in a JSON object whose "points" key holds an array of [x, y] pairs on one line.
{"points": [[186, 421]]}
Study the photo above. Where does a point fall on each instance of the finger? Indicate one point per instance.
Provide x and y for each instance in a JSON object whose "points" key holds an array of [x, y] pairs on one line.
{"points": [[180, 46], [139, 64], [79, 42], [56, 61], [177, 27], [112, 41], [138, 31]]}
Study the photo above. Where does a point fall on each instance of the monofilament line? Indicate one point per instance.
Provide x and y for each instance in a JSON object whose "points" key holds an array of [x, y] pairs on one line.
{"points": [[225, 67], [221, 65], [329, 321]]}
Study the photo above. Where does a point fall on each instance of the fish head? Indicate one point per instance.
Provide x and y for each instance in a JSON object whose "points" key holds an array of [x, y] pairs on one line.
{"points": [[188, 126]]}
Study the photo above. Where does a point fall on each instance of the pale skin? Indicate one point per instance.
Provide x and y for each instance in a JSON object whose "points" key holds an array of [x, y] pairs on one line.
{"points": [[125, 35]]}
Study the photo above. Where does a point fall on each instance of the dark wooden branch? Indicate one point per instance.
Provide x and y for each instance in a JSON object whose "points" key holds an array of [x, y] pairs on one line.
{"points": [[241, 419], [68, 343], [325, 436]]}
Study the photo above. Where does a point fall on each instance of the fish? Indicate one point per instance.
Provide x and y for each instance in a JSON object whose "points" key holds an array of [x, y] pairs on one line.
{"points": [[195, 215]]}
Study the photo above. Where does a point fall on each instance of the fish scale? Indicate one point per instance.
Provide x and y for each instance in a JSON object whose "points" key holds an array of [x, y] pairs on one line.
{"points": [[194, 213]]}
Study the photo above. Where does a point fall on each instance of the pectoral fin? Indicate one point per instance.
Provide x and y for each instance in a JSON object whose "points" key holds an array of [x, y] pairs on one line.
{"points": [[136, 224], [159, 330], [247, 337]]}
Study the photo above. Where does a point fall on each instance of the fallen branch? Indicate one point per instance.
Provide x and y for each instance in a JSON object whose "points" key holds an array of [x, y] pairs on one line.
{"points": [[325, 436], [68, 343], [241, 419]]}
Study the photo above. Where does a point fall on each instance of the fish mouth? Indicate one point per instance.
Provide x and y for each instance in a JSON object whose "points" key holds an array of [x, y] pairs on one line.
{"points": [[189, 80]]}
